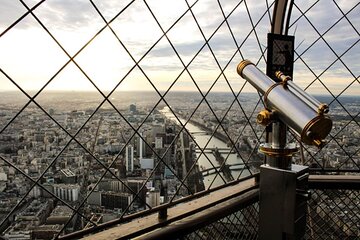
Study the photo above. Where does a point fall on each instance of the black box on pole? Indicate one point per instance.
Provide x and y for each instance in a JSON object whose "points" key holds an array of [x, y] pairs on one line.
{"points": [[280, 55]]}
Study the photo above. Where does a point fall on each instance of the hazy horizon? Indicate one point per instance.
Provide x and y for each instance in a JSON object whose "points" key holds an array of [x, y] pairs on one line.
{"points": [[175, 51], [30, 92]]}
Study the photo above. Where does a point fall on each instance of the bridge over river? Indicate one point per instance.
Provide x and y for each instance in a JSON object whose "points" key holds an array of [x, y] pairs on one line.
{"points": [[214, 170], [218, 147], [220, 150]]}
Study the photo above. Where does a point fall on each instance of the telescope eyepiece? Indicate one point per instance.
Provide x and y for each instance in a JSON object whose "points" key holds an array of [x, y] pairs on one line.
{"points": [[242, 65]]}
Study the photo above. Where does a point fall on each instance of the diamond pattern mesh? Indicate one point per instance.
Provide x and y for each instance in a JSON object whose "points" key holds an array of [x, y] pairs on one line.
{"points": [[72, 132], [334, 214], [332, 73], [242, 224], [103, 47]]}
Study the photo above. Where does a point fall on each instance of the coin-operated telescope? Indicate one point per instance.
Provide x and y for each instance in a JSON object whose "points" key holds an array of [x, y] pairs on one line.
{"points": [[285, 102], [283, 185]]}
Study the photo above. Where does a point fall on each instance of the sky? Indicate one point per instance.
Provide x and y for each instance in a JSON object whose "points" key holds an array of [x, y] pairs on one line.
{"points": [[31, 57]]}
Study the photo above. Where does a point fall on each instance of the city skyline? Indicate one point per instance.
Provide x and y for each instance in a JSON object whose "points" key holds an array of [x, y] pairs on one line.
{"points": [[74, 168]]}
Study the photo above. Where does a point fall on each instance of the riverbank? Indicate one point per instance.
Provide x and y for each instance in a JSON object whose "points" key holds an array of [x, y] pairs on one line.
{"points": [[205, 128]]}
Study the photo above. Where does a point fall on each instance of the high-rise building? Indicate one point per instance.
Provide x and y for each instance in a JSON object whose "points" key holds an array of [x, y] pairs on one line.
{"points": [[153, 197], [129, 158], [147, 163], [141, 146], [67, 192], [112, 200], [94, 198], [67, 176], [158, 142], [132, 108]]}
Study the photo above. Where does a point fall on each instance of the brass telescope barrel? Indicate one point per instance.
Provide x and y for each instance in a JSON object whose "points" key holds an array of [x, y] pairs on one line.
{"points": [[297, 109]]}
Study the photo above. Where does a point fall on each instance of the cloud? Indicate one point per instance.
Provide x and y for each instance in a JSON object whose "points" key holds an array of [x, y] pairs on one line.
{"points": [[67, 14], [187, 49], [319, 54], [74, 22], [10, 11], [60, 14]]}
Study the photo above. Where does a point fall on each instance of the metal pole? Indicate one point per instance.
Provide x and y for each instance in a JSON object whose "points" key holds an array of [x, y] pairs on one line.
{"points": [[281, 213]]}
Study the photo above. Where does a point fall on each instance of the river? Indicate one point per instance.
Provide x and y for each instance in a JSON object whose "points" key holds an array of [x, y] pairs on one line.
{"points": [[202, 137]]}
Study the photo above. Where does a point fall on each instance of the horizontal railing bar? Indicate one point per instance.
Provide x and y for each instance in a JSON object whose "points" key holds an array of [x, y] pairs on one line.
{"points": [[241, 198], [202, 219], [145, 224], [131, 217], [334, 182], [332, 170]]}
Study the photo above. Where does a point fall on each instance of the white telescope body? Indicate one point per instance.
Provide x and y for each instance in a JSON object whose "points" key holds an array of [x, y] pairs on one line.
{"points": [[290, 104]]}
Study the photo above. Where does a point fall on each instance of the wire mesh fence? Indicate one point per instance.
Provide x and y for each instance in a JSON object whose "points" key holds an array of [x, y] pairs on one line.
{"points": [[242, 224], [331, 214], [333, 74], [108, 150]]}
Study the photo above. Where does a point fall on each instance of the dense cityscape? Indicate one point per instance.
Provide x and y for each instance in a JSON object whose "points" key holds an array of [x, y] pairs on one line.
{"points": [[133, 154]]}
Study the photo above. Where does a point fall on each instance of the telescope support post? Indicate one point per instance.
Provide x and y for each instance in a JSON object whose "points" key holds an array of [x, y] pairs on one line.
{"points": [[283, 186], [283, 189], [283, 202]]}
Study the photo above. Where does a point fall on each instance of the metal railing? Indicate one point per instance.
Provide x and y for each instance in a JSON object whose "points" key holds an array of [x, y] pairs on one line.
{"points": [[242, 224], [333, 210], [333, 213]]}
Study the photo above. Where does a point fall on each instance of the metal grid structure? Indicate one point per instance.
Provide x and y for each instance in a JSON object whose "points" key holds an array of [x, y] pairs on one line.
{"points": [[242, 224], [246, 41], [333, 214], [315, 33], [73, 137]]}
